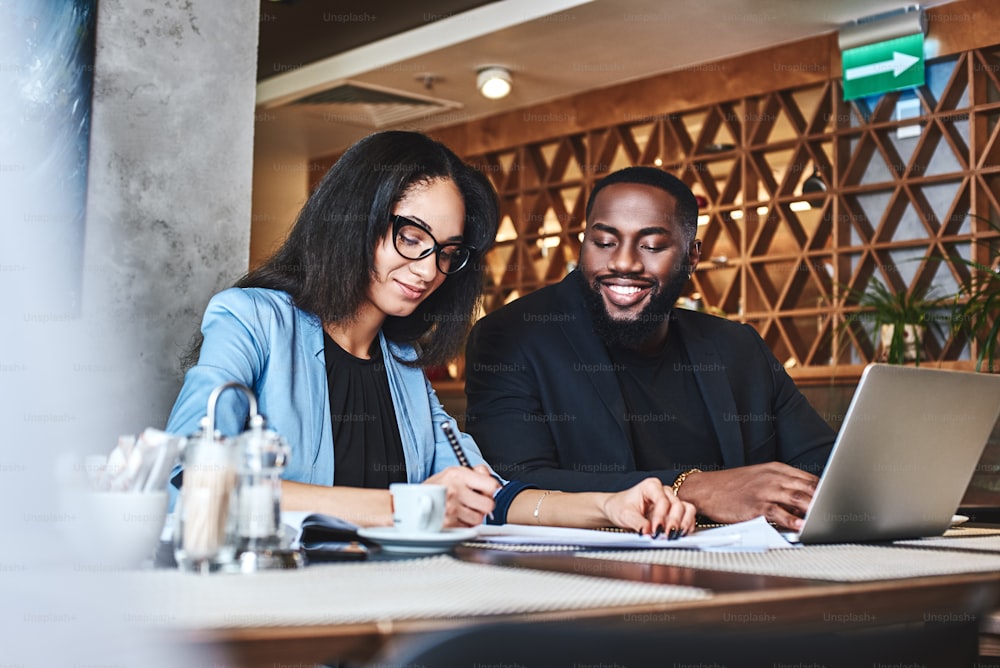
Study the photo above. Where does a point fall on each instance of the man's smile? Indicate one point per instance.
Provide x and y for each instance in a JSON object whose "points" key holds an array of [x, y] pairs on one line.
{"points": [[624, 293]]}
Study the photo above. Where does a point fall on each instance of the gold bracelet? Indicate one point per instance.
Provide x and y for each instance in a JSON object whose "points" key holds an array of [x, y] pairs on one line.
{"points": [[538, 506], [681, 478]]}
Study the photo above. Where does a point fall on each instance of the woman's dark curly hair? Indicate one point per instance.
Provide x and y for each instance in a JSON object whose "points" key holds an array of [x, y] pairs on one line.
{"points": [[327, 262]]}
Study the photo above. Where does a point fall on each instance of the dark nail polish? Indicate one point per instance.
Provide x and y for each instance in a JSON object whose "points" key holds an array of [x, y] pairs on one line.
{"points": [[673, 535], [659, 530], [640, 532]]}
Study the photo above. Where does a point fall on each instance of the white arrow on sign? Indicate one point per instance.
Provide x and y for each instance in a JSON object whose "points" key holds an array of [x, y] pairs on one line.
{"points": [[900, 63]]}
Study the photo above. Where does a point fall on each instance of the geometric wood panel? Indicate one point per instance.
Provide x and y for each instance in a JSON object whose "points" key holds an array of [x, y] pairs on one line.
{"points": [[773, 256]]}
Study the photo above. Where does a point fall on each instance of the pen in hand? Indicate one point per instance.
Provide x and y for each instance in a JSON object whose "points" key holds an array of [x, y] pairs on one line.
{"points": [[457, 448], [453, 442]]}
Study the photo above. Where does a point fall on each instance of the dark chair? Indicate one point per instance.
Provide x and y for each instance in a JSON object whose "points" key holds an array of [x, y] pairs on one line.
{"points": [[586, 643]]}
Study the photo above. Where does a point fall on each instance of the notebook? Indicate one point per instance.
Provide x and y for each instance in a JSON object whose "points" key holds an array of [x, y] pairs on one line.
{"points": [[908, 446]]}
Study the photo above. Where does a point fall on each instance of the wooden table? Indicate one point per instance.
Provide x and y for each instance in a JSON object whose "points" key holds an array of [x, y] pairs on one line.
{"points": [[785, 603]]}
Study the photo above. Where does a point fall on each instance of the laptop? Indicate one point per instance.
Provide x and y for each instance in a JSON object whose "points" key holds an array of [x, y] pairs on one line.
{"points": [[907, 449]]}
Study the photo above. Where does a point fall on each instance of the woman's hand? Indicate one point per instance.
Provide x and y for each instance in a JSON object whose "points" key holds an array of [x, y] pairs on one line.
{"points": [[647, 508], [469, 496]]}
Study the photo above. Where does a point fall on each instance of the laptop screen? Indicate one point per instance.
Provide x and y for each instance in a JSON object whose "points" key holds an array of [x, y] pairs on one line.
{"points": [[905, 454]]}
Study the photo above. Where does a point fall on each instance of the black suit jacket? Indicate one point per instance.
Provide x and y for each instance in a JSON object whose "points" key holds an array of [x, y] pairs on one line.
{"points": [[545, 406]]}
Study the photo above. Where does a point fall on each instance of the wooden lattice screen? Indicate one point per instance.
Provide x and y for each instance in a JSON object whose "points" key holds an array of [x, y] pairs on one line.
{"points": [[772, 256]]}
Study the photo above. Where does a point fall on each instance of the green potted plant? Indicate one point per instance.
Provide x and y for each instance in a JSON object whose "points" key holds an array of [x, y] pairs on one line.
{"points": [[901, 319], [976, 306]]}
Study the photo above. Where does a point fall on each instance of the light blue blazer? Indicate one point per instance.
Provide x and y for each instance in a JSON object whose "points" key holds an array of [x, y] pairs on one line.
{"points": [[257, 337]]}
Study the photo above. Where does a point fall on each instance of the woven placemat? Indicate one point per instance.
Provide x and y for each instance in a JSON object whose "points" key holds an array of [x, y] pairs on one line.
{"points": [[989, 541], [837, 563], [436, 587]]}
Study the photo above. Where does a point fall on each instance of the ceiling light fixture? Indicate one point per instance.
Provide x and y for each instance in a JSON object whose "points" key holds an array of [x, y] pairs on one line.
{"points": [[494, 82]]}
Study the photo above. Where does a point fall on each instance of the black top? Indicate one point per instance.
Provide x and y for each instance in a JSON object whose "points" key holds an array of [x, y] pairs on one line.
{"points": [[664, 410], [367, 448]]}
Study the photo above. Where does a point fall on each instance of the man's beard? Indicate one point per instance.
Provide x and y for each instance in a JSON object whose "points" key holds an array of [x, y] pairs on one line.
{"points": [[632, 333]]}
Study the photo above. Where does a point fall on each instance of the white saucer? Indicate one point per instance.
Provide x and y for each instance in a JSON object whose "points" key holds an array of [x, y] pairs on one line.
{"points": [[958, 519], [391, 540]]}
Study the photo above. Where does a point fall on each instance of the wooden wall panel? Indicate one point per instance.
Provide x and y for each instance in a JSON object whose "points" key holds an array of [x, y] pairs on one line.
{"points": [[745, 133]]}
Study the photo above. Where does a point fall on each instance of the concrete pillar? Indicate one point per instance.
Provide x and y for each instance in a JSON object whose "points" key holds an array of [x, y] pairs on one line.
{"points": [[168, 216]]}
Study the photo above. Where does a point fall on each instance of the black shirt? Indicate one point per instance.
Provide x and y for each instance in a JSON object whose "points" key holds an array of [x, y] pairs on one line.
{"points": [[664, 412], [367, 448]]}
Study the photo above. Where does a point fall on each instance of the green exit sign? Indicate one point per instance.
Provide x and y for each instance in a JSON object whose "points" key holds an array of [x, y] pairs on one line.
{"points": [[883, 66]]}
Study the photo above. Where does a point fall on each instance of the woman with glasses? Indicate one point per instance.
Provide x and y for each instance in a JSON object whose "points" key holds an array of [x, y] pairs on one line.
{"points": [[378, 279]]}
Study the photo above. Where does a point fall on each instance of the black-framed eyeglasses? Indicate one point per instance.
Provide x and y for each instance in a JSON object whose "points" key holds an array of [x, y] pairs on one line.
{"points": [[414, 242]]}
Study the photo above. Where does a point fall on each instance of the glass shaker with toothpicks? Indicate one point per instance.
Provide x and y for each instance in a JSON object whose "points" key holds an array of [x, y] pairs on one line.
{"points": [[203, 533]]}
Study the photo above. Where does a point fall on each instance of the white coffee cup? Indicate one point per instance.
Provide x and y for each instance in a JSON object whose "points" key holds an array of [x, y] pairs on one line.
{"points": [[418, 509]]}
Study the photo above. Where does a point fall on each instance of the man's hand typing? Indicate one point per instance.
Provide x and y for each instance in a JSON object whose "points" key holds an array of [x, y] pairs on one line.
{"points": [[779, 492]]}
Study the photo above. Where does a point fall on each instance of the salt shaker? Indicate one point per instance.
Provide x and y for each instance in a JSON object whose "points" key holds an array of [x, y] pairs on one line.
{"points": [[260, 456]]}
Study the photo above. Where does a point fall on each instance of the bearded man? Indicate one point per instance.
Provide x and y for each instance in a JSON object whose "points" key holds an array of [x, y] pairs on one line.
{"points": [[597, 382]]}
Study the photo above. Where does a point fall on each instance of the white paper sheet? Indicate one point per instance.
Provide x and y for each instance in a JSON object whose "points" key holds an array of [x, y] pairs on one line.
{"points": [[752, 535]]}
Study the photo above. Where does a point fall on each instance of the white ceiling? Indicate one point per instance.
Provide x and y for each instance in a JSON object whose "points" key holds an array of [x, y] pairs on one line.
{"points": [[554, 48]]}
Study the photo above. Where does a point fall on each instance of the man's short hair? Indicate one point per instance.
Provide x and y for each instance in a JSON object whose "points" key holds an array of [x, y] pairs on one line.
{"points": [[687, 205]]}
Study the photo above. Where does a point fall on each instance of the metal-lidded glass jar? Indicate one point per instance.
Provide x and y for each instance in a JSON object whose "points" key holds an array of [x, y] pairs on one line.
{"points": [[260, 455], [203, 533]]}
